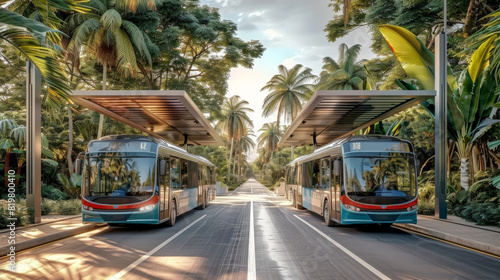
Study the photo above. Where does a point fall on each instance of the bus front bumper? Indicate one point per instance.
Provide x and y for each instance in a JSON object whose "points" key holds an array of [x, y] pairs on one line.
{"points": [[350, 217], [121, 217]]}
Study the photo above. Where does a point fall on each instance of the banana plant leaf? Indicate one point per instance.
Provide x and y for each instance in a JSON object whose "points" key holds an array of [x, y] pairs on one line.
{"points": [[482, 127], [418, 63], [494, 144], [480, 59], [395, 128]]}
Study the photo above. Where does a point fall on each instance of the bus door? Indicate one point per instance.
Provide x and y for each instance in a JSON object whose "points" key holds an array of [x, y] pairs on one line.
{"points": [[163, 184], [336, 185], [317, 193], [325, 182]]}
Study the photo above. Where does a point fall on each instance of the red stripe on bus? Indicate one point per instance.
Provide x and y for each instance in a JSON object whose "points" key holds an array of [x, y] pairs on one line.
{"points": [[152, 200], [346, 200]]}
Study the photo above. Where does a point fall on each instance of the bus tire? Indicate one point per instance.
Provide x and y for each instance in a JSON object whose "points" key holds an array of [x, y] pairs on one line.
{"points": [[207, 199], [326, 215], [204, 204], [173, 214]]}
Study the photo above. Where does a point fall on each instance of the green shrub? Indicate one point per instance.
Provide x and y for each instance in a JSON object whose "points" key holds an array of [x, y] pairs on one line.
{"points": [[482, 213], [425, 207], [50, 206], [70, 207], [20, 213], [52, 193]]}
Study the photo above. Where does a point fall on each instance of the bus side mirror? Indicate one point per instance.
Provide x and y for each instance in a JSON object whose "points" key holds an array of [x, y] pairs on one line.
{"points": [[78, 166], [163, 164], [337, 167], [79, 163]]}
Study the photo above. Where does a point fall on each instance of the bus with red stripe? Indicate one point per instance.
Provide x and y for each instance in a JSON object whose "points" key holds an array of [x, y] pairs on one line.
{"points": [[369, 179], [134, 179]]}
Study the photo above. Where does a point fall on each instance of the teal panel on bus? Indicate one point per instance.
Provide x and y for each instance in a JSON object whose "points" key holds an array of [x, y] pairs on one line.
{"points": [[193, 198], [365, 217], [306, 198]]}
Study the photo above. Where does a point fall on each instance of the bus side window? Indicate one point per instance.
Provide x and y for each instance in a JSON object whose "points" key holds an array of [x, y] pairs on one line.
{"points": [[316, 174], [325, 173], [184, 173], [174, 173]]}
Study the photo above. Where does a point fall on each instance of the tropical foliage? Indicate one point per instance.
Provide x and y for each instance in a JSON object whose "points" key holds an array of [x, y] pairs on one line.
{"points": [[345, 74], [469, 105]]}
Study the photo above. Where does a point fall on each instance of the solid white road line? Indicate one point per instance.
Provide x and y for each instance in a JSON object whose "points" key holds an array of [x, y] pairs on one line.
{"points": [[148, 254], [351, 254], [251, 270]]}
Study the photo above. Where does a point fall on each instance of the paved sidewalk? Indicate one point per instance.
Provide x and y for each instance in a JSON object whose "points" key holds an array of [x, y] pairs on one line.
{"points": [[457, 230], [52, 228], [454, 229]]}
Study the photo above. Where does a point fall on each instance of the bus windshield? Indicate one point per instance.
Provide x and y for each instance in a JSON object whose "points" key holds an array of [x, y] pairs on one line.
{"points": [[119, 179], [381, 180]]}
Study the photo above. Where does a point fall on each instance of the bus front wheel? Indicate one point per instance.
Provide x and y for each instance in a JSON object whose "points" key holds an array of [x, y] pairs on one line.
{"points": [[173, 214], [326, 214]]}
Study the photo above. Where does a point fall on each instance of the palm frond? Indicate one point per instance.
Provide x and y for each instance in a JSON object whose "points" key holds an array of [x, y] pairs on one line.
{"points": [[45, 60]]}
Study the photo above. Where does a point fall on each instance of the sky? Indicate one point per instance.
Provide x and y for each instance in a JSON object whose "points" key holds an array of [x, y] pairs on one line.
{"points": [[292, 33]]}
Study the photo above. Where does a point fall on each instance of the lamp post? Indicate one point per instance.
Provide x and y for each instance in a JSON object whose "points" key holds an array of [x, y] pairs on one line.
{"points": [[34, 141], [440, 138]]}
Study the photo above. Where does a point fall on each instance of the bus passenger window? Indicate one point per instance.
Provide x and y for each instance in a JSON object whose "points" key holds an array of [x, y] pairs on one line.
{"points": [[316, 174], [174, 173], [184, 173], [325, 173]]}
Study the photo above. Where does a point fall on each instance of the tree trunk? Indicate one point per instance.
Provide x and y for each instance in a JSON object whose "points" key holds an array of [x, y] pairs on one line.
{"points": [[20, 163], [470, 18], [464, 173], [101, 116], [475, 161], [230, 158], [69, 153]]}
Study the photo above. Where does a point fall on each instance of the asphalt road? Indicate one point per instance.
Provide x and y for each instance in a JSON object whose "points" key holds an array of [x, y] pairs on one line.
{"points": [[251, 235]]}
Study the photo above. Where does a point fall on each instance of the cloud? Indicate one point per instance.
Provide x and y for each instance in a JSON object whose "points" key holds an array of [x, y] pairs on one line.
{"points": [[272, 34]]}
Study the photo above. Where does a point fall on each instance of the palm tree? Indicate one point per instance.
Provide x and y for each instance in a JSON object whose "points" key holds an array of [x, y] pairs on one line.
{"points": [[113, 41], [288, 90], [235, 122], [346, 74], [270, 136], [245, 144]]}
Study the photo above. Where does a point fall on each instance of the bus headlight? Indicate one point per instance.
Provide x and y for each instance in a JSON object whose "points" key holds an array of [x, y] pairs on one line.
{"points": [[86, 207], [147, 207], [411, 208], [352, 208]]}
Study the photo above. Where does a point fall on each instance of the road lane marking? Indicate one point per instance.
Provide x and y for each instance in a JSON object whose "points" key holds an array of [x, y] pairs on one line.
{"points": [[345, 250], [251, 270], [148, 254]]}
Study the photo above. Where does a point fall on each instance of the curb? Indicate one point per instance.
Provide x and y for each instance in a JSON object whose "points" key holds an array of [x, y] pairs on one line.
{"points": [[27, 244], [43, 223], [480, 246]]}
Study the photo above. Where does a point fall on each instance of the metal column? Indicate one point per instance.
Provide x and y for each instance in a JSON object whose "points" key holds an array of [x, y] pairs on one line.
{"points": [[440, 126], [34, 141]]}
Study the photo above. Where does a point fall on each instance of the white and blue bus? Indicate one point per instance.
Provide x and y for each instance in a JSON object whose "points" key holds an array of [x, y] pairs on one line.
{"points": [[142, 180], [357, 180]]}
